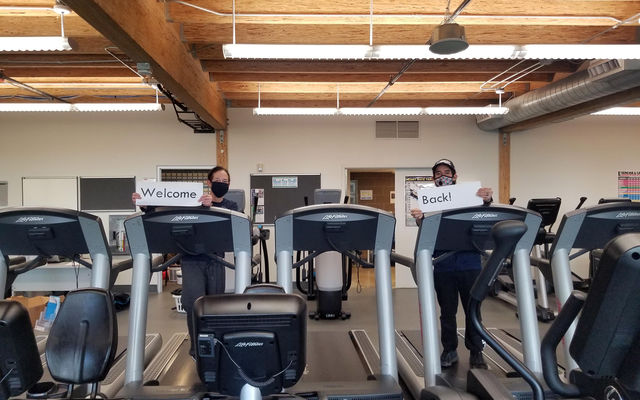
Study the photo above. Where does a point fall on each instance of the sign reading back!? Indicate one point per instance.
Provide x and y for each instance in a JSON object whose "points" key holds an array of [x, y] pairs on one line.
{"points": [[434, 198], [169, 193]]}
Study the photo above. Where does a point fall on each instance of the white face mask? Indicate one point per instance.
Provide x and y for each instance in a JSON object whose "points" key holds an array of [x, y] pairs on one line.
{"points": [[443, 181]]}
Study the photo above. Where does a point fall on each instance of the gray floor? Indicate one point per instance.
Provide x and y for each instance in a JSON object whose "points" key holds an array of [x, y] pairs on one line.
{"points": [[164, 319]]}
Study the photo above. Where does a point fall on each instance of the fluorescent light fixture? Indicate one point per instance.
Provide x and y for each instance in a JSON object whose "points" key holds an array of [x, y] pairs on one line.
{"points": [[294, 111], [466, 110], [117, 107], [34, 43], [353, 111], [34, 107], [381, 110], [39, 107], [619, 111], [421, 52]]}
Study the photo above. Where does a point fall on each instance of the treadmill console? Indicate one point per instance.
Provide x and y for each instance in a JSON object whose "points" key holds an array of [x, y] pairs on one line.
{"points": [[257, 338]]}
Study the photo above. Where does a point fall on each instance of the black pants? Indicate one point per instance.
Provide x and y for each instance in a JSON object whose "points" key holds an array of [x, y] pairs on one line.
{"points": [[448, 285], [200, 276]]}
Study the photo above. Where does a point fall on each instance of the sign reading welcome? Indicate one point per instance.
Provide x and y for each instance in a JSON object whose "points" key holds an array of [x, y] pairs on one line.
{"points": [[169, 193], [434, 198]]}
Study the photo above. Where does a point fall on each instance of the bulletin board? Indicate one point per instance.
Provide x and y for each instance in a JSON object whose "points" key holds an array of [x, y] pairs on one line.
{"points": [[278, 193], [106, 193], [56, 192]]}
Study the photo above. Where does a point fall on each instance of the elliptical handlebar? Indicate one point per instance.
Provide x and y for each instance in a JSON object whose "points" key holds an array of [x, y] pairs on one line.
{"points": [[506, 235]]}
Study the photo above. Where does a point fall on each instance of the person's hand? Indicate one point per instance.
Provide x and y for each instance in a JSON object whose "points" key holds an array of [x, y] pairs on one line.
{"points": [[486, 194], [206, 200], [417, 213], [135, 197]]}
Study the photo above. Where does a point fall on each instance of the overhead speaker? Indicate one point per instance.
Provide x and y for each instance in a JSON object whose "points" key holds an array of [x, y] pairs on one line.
{"points": [[448, 39]]}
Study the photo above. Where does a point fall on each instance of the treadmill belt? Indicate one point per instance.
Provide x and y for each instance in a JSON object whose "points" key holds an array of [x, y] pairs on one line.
{"points": [[331, 356], [181, 371], [494, 361]]}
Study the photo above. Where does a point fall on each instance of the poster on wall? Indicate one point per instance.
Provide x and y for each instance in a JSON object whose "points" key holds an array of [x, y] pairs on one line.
{"points": [[629, 185], [257, 201], [413, 184]]}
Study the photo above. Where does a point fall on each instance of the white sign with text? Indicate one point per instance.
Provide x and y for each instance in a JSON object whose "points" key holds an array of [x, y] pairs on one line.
{"points": [[434, 198], [169, 193]]}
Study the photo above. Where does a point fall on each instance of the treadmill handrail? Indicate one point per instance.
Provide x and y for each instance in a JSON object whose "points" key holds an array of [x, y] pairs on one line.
{"points": [[325, 217], [569, 235], [430, 239], [240, 233], [40, 222]]}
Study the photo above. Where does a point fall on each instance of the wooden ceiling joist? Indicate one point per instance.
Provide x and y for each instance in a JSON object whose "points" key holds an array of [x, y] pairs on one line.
{"points": [[139, 29]]}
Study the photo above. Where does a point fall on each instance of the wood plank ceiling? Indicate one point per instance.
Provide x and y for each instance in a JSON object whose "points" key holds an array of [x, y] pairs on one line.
{"points": [[89, 73]]}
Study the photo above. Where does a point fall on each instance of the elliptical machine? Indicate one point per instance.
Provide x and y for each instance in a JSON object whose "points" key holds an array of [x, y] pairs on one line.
{"points": [[332, 280]]}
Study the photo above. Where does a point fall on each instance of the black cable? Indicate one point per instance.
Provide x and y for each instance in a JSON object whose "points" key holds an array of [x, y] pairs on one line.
{"points": [[308, 258], [6, 375], [243, 374], [353, 257]]}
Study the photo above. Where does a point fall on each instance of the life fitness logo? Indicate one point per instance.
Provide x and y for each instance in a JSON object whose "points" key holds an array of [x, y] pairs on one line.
{"points": [[182, 218], [334, 217], [611, 393], [628, 214], [484, 215], [29, 219]]}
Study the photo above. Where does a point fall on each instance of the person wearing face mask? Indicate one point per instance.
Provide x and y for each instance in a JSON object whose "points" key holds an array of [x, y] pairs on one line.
{"points": [[454, 276], [202, 275]]}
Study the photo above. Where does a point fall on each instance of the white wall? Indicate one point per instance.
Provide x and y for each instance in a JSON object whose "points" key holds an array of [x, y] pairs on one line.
{"points": [[576, 158], [95, 144]]}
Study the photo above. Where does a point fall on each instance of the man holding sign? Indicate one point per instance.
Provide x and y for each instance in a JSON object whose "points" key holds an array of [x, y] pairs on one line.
{"points": [[201, 274], [456, 274]]}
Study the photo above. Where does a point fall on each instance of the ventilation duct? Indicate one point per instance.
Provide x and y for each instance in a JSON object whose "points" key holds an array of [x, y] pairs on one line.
{"points": [[599, 79]]}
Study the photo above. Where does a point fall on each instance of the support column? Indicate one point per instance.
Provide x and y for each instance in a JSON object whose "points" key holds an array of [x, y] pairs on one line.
{"points": [[222, 141], [504, 167]]}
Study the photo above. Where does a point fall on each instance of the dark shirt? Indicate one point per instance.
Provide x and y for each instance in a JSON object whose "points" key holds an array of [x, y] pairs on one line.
{"points": [[461, 260], [228, 204]]}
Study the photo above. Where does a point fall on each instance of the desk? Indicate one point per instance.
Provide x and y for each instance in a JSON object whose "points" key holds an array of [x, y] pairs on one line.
{"points": [[62, 277]]}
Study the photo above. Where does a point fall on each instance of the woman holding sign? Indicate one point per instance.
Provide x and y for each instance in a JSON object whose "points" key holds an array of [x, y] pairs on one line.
{"points": [[201, 275], [455, 276]]}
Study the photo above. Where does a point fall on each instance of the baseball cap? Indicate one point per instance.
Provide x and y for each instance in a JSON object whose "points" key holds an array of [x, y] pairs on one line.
{"points": [[443, 161]]}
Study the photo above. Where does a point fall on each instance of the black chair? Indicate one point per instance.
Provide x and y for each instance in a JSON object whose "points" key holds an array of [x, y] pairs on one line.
{"points": [[20, 365], [83, 339]]}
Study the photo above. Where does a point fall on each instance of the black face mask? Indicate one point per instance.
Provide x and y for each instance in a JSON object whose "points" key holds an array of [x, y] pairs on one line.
{"points": [[219, 189]]}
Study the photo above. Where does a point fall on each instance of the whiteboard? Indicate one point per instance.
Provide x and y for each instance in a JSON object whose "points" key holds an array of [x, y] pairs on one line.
{"points": [[57, 192]]}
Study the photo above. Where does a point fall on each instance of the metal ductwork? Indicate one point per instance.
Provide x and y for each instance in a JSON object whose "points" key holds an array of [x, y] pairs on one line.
{"points": [[599, 79]]}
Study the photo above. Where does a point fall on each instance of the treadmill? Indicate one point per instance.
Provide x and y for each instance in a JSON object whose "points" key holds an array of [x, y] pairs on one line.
{"points": [[45, 232], [179, 230], [343, 365], [466, 229], [586, 229]]}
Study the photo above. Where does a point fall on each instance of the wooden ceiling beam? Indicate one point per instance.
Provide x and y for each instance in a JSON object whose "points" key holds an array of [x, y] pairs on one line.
{"points": [[389, 67], [363, 77], [45, 26], [80, 91], [139, 29], [346, 88], [359, 103], [361, 96], [42, 73], [400, 34], [574, 8]]}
